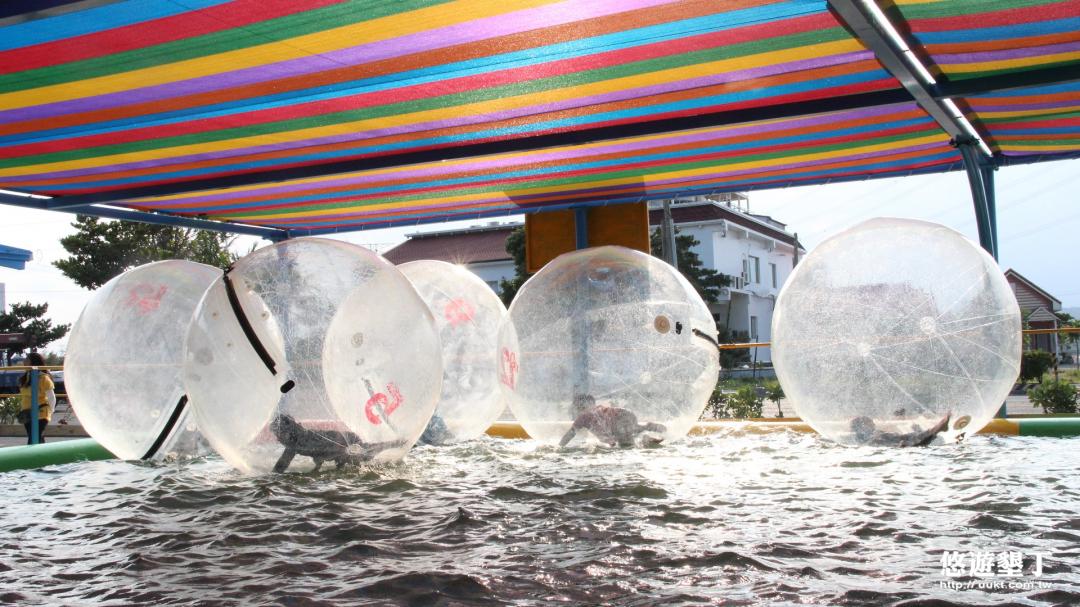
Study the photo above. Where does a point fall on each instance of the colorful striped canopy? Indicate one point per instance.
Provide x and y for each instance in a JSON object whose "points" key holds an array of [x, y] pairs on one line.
{"points": [[966, 41], [327, 115]]}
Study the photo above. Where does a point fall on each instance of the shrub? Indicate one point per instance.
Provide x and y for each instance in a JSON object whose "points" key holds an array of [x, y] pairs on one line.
{"points": [[744, 403], [717, 406], [1034, 364], [9, 409], [1054, 396]]}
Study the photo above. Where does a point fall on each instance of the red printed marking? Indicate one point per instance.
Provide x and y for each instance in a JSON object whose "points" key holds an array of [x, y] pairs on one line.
{"points": [[146, 298], [388, 404], [508, 368], [458, 311]]}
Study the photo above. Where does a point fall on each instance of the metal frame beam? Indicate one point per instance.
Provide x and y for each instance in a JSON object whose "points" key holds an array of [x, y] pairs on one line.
{"points": [[857, 15], [272, 234], [862, 23]]}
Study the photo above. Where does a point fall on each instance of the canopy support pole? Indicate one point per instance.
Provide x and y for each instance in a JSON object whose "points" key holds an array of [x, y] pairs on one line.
{"points": [[667, 237], [981, 180], [581, 227], [579, 323]]}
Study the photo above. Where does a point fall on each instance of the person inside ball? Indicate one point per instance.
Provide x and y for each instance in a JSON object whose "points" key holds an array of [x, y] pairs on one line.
{"points": [[610, 425], [866, 432]]}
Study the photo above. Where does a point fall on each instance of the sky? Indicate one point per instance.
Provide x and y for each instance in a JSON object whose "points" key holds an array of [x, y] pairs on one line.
{"points": [[1038, 226]]}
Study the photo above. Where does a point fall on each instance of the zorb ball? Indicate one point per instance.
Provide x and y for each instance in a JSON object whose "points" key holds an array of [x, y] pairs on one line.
{"points": [[467, 313], [312, 353], [607, 344], [123, 366], [896, 332]]}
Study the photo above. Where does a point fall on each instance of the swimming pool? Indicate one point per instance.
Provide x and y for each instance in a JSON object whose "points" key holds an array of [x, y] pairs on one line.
{"points": [[778, 519]]}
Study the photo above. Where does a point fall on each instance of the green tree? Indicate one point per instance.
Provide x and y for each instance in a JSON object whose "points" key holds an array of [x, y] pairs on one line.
{"points": [[515, 246], [774, 392], [706, 281], [101, 250], [1054, 396], [29, 318], [1070, 340]]}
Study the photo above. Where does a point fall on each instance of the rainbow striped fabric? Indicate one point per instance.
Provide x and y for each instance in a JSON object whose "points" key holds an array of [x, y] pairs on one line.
{"points": [[968, 40], [101, 97], [836, 146]]}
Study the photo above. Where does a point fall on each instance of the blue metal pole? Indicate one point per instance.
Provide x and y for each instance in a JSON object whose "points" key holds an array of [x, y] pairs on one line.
{"points": [[978, 194], [34, 409], [581, 227], [579, 324], [991, 205]]}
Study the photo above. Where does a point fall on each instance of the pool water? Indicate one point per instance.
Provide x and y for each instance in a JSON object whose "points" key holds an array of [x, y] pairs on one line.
{"points": [[780, 519]]}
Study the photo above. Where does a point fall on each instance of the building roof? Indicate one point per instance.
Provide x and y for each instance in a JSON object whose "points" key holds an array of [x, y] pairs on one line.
{"points": [[695, 213], [458, 246], [1041, 314], [475, 245], [13, 257], [1012, 274]]}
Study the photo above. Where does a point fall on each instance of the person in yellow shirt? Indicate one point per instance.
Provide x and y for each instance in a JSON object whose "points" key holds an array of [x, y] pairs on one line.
{"points": [[46, 397]]}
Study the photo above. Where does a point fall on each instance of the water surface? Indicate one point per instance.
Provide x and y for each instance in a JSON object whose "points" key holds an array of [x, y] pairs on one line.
{"points": [[781, 519]]}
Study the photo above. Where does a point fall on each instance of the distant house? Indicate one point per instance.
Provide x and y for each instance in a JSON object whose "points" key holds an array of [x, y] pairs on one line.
{"points": [[1038, 309], [756, 251], [481, 249]]}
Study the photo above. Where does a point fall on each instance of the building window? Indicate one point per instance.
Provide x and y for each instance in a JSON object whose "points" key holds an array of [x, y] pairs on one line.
{"points": [[754, 270], [753, 328], [494, 284], [772, 268]]}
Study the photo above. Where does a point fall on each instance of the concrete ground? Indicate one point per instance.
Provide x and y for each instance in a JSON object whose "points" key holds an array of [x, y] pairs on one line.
{"points": [[20, 441]]}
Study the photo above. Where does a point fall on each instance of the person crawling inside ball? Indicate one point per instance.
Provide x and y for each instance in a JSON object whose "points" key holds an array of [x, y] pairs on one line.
{"points": [[325, 445], [611, 425], [867, 433]]}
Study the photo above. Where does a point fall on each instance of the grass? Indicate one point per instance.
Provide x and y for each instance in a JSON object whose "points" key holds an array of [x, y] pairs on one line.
{"points": [[1071, 375]]}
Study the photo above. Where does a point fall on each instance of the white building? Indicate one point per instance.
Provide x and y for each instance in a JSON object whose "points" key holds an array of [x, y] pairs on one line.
{"points": [[755, 251]]}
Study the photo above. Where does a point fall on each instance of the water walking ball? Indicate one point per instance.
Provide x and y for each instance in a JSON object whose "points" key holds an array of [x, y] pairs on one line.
{"points": [[607, 344], [312, 352], [895, 331], [123, 366], [467, 313]]}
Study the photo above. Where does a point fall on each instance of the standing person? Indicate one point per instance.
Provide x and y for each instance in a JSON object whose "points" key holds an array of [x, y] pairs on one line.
{"points": [[46, 397]]}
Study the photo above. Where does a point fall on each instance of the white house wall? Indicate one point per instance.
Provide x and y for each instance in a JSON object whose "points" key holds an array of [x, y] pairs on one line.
{"points": [[492, 272], [724, 251]]}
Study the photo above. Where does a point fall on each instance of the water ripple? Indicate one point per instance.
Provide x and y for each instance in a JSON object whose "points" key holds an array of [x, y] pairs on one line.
{"points": [[782, 519]]}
